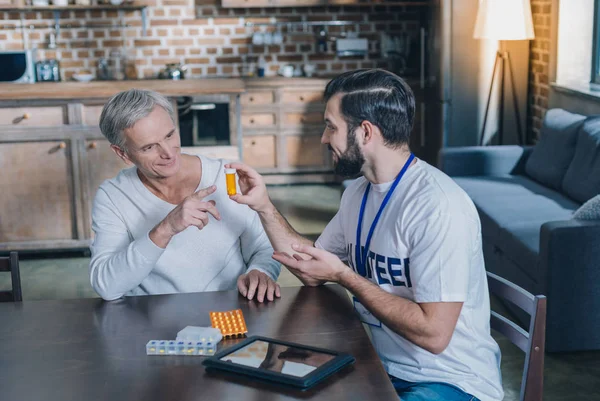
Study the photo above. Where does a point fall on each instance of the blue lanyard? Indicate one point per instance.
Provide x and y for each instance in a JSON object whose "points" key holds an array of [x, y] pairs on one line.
{"points": [[361, 257]]}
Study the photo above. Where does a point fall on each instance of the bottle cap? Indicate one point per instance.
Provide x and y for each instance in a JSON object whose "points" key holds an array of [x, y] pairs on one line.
{"points": [[230, 171]]}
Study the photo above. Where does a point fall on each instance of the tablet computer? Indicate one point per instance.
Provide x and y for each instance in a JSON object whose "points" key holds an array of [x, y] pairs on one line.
{"points": [[278, 361]]}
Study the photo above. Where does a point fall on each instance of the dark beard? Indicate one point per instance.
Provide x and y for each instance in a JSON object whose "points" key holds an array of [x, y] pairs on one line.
{"points": [[350, 162]]}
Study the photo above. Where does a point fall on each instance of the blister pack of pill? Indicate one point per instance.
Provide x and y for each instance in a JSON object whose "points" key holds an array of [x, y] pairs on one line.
{"points": [[231, 323]]}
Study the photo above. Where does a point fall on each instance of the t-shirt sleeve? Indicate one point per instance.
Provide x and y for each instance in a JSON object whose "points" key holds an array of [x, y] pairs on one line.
{"points": [[332, 239], [440, 257]]}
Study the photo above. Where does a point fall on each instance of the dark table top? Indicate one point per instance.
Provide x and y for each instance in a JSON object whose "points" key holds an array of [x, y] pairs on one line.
{"points": [[88, 349]]}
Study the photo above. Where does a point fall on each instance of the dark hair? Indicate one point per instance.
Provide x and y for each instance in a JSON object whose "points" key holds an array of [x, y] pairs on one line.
{"points": [[378, 96]]}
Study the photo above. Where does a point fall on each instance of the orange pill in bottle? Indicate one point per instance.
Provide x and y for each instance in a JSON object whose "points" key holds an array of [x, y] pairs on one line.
{"points": [[230, 179]]}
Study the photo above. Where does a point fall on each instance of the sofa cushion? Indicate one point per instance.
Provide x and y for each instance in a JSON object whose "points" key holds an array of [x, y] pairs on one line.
{"points": [[520, 242], [512, 209], [582, 180], [590, 210], [554, 151], [482, 189]]}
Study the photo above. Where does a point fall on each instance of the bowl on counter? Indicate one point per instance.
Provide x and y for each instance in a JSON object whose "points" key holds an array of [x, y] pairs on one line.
{"points": [[83, 77]]}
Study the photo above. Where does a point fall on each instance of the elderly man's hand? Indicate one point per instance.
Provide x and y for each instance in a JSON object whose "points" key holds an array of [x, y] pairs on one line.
{"points": [[256, 283], [192, 211]]}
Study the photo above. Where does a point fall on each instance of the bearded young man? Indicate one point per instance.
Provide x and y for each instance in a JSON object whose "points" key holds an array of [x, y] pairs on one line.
{"points": [[406, 243]]}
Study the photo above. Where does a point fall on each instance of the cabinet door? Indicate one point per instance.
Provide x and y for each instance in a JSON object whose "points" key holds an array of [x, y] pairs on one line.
{"points": [[254, 98], [262, 120], [302, 96], [305, 151], [103, 164], [32, 116], [91, 114], [37, 194], [259, 151]]}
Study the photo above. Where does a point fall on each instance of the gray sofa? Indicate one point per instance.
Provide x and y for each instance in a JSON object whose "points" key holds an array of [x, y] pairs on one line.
{"points": [[527, 198]]}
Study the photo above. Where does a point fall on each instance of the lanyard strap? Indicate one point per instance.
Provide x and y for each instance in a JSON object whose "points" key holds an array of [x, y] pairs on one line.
{"points": [[361, 257]]}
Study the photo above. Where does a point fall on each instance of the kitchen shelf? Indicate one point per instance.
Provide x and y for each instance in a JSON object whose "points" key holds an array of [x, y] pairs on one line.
{"points": [[73, 7], [56, 10]]}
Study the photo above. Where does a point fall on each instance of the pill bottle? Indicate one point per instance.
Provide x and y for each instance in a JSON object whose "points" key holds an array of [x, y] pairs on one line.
{"points": [[230, 179]]}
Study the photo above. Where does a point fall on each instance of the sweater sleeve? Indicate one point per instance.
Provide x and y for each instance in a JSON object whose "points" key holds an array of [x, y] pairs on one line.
{"points": [[256, 248], [119, 263]]}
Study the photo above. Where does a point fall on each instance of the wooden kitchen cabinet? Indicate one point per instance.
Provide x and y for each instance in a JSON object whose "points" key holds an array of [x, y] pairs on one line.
{"points": [[53, 158], [282, 121], [38, 200]]}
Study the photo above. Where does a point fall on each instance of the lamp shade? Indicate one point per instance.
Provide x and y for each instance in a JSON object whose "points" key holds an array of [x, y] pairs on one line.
{"points": [[504, 20]]}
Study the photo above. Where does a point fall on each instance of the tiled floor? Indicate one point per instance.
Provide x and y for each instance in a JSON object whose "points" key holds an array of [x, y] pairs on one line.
{"points": [[568, 377]]}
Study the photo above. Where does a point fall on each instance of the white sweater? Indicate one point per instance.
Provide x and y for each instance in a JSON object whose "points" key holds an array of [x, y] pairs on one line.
{"points": [[126, 262]]}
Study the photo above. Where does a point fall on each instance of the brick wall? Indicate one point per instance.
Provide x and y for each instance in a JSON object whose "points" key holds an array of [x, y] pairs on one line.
{"points": [[211, 40], [539, 67]]}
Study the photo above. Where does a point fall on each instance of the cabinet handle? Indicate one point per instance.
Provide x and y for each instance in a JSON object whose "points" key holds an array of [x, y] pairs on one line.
{"points": [[251, 121], [58, 147], [251, 99], [301, 98], [253, 143], [92, 145], [25, 116]]}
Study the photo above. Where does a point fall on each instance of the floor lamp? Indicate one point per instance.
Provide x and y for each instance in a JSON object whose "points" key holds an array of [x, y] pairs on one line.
{"points": [[503, 20]]}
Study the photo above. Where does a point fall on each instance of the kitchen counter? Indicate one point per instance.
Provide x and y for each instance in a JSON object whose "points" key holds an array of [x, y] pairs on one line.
{"points": [[105, 89], [188, 87]]}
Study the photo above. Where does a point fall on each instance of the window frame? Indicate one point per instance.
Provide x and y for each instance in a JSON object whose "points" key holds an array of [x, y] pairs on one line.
{"points": [[595, 73]]}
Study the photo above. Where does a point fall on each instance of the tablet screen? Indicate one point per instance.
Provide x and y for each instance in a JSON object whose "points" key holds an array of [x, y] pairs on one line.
{"points": [[273, 357]]}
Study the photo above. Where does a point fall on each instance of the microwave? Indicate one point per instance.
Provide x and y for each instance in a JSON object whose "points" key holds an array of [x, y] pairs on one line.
{"points": [[17, 66]]}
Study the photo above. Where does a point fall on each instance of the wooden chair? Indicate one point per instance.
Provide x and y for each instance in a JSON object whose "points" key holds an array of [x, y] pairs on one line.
{"points": [[531, 342], [11, 264]]}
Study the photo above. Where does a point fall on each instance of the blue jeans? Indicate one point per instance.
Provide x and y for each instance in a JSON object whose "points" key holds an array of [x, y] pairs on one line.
{"points": [[429, 391]]}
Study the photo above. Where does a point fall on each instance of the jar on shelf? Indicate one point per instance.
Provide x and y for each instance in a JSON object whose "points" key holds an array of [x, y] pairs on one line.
{"points": [[116, 66], [130, 66]]}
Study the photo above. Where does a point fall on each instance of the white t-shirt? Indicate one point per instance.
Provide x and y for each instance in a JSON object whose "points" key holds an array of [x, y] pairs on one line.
{"points": [[425, 248], [126, 262]]}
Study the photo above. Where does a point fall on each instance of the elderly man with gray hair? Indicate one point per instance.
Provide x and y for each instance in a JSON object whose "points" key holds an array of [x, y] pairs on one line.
{"points": [[166, 224]]}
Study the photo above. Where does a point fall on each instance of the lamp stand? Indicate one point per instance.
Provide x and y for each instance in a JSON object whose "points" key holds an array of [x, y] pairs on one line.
{"points": [[502, 60]]}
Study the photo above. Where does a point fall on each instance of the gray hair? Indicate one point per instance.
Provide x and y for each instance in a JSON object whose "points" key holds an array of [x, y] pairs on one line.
{"points": [[125, 109]]}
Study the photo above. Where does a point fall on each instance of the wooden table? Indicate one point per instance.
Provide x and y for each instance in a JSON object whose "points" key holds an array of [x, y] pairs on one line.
{"points": [[88, 349]]}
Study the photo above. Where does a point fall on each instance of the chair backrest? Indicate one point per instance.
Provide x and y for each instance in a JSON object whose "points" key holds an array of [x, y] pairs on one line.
{"points": [[532, 342], [11, 264]]}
